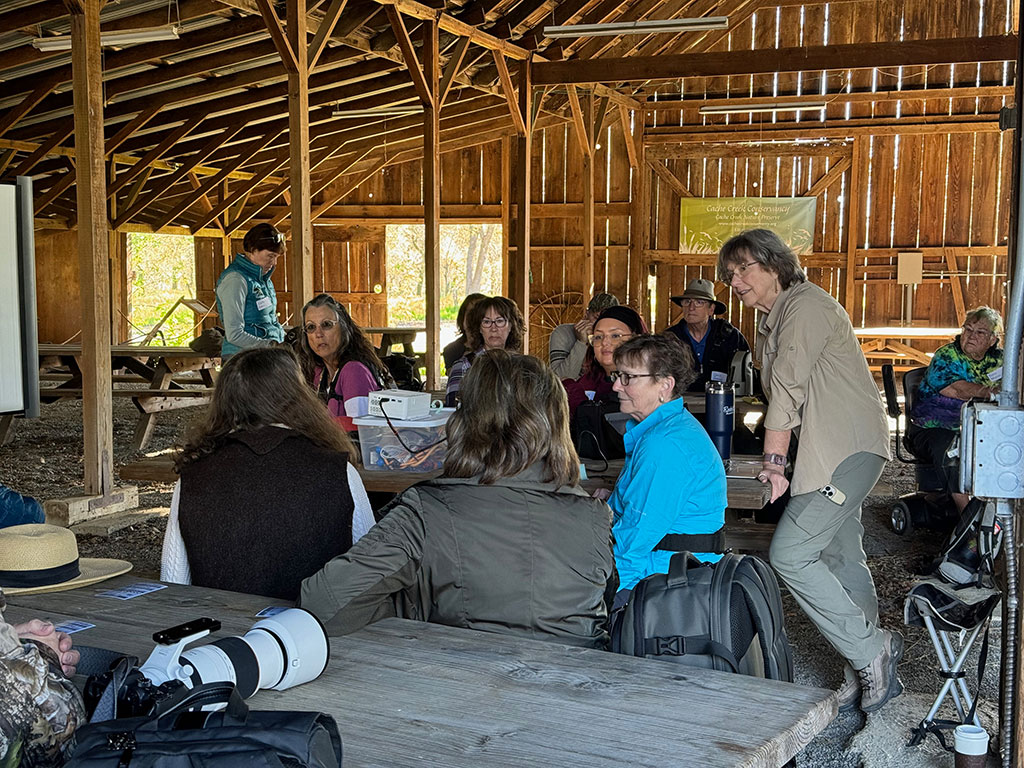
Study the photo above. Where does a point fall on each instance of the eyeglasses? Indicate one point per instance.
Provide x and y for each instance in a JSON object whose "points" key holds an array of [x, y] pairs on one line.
{"points": [[498, 322], [740, 270], [977, 332], [694, 302], [627, 378], [597, 339], [326, 326]]}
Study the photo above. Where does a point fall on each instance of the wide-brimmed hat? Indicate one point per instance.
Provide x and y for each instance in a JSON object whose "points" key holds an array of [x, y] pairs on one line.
{"points": [[700, 289], [44, 558]]}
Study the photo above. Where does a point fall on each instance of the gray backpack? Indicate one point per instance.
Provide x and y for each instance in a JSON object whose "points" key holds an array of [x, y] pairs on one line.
{"points": [[725, 615]]}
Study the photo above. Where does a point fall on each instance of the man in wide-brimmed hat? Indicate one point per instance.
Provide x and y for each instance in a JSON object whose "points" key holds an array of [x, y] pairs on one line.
{"points": [[40, 708], [713, 340]]}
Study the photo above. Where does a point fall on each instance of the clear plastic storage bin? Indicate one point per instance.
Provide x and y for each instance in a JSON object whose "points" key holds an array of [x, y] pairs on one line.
{"points": [[424, 446]]}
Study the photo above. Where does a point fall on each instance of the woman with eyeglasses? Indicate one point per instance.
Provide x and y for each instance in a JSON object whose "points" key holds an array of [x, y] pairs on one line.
{"points": [[671, 493], [492, 323], [246, 300], [969, 368], [819, 389], [612, 328], [505, 541], [266, 493], [714, 341], [339, 361]]}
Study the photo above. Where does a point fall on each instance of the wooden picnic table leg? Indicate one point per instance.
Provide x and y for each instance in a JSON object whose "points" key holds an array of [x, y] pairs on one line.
{"points": [[209, 376], [162, 376]]}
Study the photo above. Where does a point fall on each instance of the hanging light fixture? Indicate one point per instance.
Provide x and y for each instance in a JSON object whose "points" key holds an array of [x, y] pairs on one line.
{"points": [[779, 106], [411, 109], [120, 37], [646, 27]]}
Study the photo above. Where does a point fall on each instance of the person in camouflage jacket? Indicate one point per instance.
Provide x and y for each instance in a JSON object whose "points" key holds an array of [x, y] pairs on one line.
{"points": [[39, 706]]}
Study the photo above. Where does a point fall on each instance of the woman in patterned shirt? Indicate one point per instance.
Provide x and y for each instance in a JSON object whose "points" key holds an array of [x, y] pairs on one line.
{"points": [[967, 369]]}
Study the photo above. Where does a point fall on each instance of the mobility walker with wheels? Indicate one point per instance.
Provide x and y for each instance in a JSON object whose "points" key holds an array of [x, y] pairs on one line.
{"points": [[930, 506]]}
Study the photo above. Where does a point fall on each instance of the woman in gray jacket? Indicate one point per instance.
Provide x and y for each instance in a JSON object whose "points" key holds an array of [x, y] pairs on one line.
{"points": [[505, 541]]}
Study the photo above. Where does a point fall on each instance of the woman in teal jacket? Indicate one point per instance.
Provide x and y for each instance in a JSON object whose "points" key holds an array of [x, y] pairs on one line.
{"points": [[673, 480]]}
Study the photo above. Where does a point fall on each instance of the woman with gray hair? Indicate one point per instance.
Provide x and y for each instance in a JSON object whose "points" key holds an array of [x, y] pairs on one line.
{"points": [[671, 493], [968, 368], [504, 541], [819, 388]]}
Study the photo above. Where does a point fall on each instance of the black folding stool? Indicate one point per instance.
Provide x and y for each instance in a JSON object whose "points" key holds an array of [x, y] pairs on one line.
{"points": [[955, 616]]}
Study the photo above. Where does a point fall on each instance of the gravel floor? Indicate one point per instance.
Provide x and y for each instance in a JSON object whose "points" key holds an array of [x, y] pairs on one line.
{"points": [[44, 458]]}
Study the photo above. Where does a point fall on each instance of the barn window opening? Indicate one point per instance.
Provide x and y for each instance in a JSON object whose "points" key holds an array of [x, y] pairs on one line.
{"points": [[470, 263], [161, 275]]}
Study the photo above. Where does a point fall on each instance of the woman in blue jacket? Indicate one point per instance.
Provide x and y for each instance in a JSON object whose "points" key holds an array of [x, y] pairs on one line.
{"points": [[673, 480]]}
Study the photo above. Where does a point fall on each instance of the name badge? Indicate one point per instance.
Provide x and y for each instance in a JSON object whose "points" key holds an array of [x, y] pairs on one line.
{"points": [[263, 303]]}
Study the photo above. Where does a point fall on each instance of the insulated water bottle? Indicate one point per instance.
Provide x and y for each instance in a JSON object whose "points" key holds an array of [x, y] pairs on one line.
{"points": [[720, 410]]}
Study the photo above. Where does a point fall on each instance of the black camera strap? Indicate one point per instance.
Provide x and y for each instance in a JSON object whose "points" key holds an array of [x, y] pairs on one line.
{"points": [[99, 661]]}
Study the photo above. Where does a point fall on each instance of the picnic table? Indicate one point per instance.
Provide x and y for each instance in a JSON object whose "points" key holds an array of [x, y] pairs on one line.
{"points": [[889, 343], [406, 693], [155, 369], [393, 335]]}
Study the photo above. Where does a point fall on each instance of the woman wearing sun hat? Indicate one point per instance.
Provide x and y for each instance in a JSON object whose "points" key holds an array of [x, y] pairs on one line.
{"points": [[39, 706], [713, 340]]}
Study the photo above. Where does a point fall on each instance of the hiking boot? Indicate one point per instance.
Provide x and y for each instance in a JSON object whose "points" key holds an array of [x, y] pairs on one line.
{"points": [[879, 681], [848, 695]]}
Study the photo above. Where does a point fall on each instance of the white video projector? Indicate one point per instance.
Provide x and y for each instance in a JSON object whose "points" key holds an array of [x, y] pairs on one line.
{"points": [[400, 404]]}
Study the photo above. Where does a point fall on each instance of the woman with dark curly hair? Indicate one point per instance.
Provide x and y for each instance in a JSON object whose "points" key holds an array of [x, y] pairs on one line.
{"points": [[266, 493], [504, 541], [339, 361], [494, 323]]}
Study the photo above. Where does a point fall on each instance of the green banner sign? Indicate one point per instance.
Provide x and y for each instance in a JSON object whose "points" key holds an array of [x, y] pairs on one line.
{"points": [[705, 223]]}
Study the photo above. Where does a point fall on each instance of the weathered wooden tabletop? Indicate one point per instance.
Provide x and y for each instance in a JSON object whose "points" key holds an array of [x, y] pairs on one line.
{"points": [[411, 694]]}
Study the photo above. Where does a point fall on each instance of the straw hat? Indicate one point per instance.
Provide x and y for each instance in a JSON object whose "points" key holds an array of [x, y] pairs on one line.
{"points": [[44, 558], [700, 289]]}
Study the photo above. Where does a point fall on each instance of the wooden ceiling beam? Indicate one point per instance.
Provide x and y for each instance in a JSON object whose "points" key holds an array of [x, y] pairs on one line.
{"points": [[241, 193], [835, 173], [673, 181], [412, 63], [840, 130], [14, 114], [632, 151], [767, 61], [211, 183], [451, 68], [150, 158], [579, 124], [510, 93], [721, 149], [840, 97], [164, 184], [453, 25], [326, 205], [44, 148], [278, 36], [323, 33]]}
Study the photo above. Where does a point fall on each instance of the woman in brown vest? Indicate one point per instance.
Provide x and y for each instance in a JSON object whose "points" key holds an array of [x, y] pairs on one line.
{"points": [[267, 494]]}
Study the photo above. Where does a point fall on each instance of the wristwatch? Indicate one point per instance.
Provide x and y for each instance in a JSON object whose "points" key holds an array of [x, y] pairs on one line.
{"points": [[774, 458]]}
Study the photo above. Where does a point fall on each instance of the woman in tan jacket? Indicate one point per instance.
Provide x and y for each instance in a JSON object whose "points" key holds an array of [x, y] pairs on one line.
{"points": [[505, 541]]}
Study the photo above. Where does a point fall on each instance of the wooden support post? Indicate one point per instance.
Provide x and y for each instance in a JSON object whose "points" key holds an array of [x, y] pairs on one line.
{"points": [[117, 243], [300, 260], [519, 264], [506, 210], [854, 214], [640, 226], [432, 200], [97, 407], [587, 111]]}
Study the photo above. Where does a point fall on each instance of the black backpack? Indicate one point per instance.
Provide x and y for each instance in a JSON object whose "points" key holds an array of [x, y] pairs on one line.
{"points": [[178, 737], [404, 369], [592, 435], [725, 615]]}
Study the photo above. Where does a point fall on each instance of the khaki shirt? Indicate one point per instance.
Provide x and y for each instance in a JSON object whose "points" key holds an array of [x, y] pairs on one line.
{"points": [[818, 385]]}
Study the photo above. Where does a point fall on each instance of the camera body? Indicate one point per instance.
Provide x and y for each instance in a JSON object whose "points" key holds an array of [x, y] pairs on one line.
{"points": [[279, 652]]}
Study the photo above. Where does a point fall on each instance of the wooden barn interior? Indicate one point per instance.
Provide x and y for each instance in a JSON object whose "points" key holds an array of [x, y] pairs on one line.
{"points": [[581, 147], [332, 119]]}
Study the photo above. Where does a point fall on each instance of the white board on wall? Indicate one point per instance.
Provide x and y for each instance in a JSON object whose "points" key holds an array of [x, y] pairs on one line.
{"points": [[12, 391]]}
